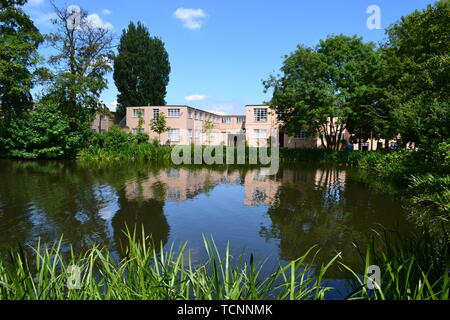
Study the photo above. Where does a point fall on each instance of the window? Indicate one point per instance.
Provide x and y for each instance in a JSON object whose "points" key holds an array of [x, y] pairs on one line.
{"points": [[301, 135], [240, 120], [174, 194], [197, 116], [189, 133], [260, 134], [260, 114], [190, 114], [155, 113], [173, 173], [174, 113], [138, 113], [174, 135], [202, 116], [226, 120], [136, 131]]}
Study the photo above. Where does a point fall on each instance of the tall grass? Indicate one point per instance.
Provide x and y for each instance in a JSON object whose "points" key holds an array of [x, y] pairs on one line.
{"points": [[144, 274], [411, 269]]}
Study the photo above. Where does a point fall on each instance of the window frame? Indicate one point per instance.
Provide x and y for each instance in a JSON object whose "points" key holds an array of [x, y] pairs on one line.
{"points": [[302, 135], [170, 134], [259, 134], [136, 113], [226, 120], [260, 115], [172, 110]]}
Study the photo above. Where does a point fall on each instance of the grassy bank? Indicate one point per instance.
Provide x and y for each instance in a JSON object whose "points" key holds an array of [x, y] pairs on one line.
{"points": [[407, 273]]}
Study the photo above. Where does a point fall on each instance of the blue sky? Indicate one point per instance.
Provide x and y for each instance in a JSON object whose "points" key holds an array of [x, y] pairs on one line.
{"points": [[221, 50]]}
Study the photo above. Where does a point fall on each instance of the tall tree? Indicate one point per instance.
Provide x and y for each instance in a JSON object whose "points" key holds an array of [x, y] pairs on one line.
{"points": [[83, 57], [141, 69], [418, 57], [320, 87], [371, 115], [19, 41]]}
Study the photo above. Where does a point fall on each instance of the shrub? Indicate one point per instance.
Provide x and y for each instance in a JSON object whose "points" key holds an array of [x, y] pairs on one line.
{"points": [[43, 133], [116, 144], [430, 199]]}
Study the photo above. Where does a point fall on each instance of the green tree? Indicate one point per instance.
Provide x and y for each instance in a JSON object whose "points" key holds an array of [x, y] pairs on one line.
{"points": [[418, 58], [208, 127], [320, 87], [19, 41], [159, 125], [82, 58], [141, 136], [371, 115], [43, 133], [141, 69]]}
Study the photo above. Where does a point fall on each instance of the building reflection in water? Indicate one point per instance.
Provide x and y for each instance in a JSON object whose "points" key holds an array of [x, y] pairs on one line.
{"points": [[307, 206], [295, 210], [183, 184]]}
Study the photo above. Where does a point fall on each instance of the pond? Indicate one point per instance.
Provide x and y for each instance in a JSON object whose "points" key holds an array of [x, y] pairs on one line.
{"points": [[278, 217]]}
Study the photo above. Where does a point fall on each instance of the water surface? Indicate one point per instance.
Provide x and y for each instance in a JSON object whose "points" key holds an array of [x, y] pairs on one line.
{"points": [[278, 217]]}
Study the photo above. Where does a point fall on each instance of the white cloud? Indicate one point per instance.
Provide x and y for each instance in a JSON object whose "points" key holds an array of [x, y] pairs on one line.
{"points": [[97, 22], [43, 19], [196, 97], [106, 12], [192, 18]]}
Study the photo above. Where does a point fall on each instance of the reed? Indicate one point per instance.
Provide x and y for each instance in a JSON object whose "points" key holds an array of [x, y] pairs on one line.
{"points": [[144, 274], [411, 269]]}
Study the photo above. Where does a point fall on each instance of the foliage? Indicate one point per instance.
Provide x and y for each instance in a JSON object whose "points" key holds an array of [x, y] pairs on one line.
{"points": [[430, 197], [19, 41], [417, 56], [319, 87], [141, 69], [81, 61], [43, 133], [208, 127], [159, 125], [412, 268], [145, 275], [116, 144], [421, 176]]}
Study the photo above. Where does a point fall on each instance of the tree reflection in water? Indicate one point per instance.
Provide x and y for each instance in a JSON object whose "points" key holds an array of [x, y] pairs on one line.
{"points": [[93, 203]]}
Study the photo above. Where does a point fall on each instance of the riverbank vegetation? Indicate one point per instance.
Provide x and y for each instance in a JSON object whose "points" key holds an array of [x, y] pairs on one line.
{"points": [[70, 80], [398, 90], [416, 269], [422, 176]]}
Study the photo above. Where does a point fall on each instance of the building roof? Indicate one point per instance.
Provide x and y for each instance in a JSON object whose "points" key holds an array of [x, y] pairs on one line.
{"points": [[185, 106]]}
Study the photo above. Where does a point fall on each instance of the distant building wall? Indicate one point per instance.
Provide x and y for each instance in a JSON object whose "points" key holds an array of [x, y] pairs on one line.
{"points": [[102, 123], [257, 125]]}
